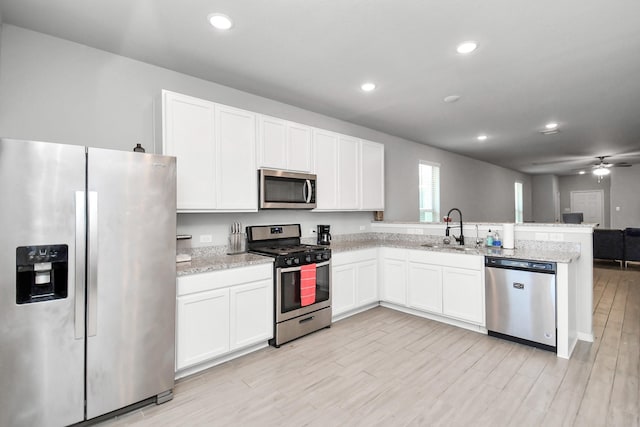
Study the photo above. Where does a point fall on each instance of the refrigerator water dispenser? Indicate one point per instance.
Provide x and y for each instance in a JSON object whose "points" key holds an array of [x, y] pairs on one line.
{"points": [[41, 273]]}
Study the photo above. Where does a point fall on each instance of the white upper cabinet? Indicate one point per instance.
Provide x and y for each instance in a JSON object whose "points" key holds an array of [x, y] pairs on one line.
{"points": [[372, 176], [348, 173], [215, 150], [284, 145], [189, 135], [237, 180], [326, 169]]}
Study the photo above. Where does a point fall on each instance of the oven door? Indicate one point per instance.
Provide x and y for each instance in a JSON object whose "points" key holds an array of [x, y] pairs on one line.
{"points": [[288, 291]]}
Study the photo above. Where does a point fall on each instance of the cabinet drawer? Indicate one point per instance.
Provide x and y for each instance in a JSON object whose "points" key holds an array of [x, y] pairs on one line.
{"points": [[350, 257], [224, 278]]}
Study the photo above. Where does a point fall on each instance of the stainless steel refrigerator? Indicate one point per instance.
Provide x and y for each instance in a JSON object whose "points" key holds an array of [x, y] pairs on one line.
{"points": [[87, 281]]}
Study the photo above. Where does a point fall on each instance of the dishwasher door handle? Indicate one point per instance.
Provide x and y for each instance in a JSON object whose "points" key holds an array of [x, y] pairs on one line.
{"points": [[518, 285]]}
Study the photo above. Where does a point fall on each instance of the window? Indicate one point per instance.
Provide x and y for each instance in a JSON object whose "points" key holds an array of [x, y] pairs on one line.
{"points": [[429, 188], [518, 191]]}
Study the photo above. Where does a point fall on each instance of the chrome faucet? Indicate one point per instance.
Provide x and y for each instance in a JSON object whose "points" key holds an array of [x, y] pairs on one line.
{"points": [[478, 240], [460, 239]]}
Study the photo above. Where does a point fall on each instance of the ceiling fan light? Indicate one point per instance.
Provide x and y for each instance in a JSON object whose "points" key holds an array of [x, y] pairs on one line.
{"points": [[600, 171]]}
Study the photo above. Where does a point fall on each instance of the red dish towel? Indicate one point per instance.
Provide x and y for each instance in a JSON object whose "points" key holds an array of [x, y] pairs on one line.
{"points": [[307, 284]]}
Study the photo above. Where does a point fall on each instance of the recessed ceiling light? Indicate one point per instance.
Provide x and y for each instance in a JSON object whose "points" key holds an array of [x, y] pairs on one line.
{"points": [[220, 21], [368, 87], [451, 98], [482, 137], [581, 172], [551, 125], [467, 47]]}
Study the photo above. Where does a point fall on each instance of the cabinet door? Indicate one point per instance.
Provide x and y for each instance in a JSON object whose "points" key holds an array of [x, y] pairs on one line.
{"points": [[372, 176], [343, 288], [463, 294], [425, 287], [251, 313], [236, 166], [348, 173], [272, 144], [202, 327], [299, 147], [367, 284], [188, 134], [394, 281], [326, 168]]}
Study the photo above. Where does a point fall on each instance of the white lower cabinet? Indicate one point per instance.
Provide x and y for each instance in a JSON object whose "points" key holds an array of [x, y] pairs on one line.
{"points": [[425, 287], [251, 319], [394, 275], [354, 280], [221, 312], [449, 285], [463, 294]]}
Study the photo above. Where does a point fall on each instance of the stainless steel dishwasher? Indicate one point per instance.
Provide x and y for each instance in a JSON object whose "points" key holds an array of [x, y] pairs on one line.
{"points": [[521, 301]]}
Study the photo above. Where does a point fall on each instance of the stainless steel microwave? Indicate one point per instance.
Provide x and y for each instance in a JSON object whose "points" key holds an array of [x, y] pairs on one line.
{"points": [[287, 190]]}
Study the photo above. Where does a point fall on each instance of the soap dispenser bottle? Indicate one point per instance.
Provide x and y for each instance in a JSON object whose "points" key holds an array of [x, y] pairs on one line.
{"points": [[489, 240], [496, 239]]}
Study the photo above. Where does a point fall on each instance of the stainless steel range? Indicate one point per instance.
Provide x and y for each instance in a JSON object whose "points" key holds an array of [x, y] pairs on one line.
{"points": [[302, 280]]}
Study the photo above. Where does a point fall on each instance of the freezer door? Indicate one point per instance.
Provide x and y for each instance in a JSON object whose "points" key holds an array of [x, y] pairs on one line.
{"points": [[131, 275], [42, 341]]}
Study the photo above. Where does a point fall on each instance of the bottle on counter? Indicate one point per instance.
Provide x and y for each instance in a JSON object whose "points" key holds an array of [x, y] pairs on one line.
{"points": [[496, 239], [489, 239]]}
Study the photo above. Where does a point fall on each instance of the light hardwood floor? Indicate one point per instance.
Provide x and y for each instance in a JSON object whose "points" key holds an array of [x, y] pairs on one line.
{"points": [[385, 368]]}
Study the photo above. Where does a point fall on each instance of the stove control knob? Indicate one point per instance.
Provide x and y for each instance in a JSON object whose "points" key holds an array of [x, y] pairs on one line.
{"points": [[318, 257], [325, 256], [296, 261], [288, 261], [308, 258]]}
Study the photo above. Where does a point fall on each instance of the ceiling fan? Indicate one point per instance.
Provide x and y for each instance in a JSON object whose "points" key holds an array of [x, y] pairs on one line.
{"points": [[600, 165], [601, 169]]}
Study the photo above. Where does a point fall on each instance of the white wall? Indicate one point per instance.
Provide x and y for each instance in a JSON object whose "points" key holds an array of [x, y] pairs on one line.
{"points": [[59, 91], [625, 194]]}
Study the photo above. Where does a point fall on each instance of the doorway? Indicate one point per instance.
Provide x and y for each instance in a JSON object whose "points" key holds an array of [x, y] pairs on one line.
{"points": [[591, 204]]}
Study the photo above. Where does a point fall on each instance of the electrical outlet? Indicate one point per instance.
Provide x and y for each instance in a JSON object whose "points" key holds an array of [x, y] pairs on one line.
{"points": [[206, 238], [362, 227]]}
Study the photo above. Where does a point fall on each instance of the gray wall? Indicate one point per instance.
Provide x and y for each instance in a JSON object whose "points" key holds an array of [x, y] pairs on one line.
{"points": [[625, 194], [55, 90], [483, 192], [543, 195], [585, 182]]}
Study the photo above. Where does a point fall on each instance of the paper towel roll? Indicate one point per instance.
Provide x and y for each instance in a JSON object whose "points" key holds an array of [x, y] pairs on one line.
{"points": [[508, 236]]}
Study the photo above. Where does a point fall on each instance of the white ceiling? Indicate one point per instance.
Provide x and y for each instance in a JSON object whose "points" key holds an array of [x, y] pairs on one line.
{"points": [[576, 62]]}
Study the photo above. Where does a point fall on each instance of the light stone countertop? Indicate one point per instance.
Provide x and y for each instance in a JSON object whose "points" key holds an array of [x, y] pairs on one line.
{"points": [[532, 252], [214, 258]]}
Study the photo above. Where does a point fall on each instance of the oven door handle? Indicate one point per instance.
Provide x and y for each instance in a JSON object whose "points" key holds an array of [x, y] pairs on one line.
{"points": [[290, 269]]}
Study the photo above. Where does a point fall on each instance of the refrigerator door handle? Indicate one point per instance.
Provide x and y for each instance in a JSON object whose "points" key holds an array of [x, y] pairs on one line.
{"points": [[92, 268], [80, 263]]}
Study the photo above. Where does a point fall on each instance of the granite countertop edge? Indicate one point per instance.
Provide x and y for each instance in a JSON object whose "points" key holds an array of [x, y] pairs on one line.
{"points": [[206, 264], [218, 261], [534, 254]]}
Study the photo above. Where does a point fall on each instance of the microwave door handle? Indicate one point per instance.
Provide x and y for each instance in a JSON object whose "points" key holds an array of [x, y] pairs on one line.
{"points": [[306, 192]]}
